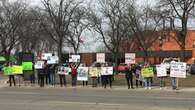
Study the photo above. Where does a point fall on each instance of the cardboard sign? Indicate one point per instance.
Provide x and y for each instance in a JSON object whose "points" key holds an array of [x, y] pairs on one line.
{"points": [[178, 69], [94, 72], [161, 70], [39, 64], [27, 66], [129, 58], [17, 69], [63, 70], [147, 72], [82, 74], [45, 56], [74, 58], [100, 57], [7, 70], [52, 60], [106, 70]]}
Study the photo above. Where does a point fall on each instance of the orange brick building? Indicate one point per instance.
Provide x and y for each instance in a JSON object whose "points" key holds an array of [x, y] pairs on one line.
{"points": [[171, 46]]}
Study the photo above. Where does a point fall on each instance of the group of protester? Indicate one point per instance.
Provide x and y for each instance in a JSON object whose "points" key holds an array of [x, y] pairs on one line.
{"points": [[48, 75]]}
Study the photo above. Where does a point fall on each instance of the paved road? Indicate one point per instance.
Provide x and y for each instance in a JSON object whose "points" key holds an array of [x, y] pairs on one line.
{"points": [[36, 98]]}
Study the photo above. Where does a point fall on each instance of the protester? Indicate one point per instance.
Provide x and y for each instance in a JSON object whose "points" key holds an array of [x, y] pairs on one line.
{"points": [[138, 77], [147, 80], [129, 76], [85, 82], [74, 73], [43, 73], [173, 79], [107, 79], [52, 72], [62, 77], [11, 77]]}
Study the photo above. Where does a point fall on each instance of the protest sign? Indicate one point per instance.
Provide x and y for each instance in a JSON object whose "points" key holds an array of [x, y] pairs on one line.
{"points": [[106, 70], [100, 57], [129, 58], [82, 74], [147, 72], [94, 72], [178, 70], [52, 60], [161, 70], [27, 66], [74, 58], [39, 64], [63, 70], [7, 70], [45, 56], [17, 69]]}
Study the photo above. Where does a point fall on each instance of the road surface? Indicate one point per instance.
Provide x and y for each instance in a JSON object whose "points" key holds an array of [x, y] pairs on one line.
{"points": [[35, 98]]}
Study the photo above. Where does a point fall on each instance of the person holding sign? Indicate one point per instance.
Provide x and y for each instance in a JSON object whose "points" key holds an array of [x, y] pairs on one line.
{"points": [[129, 76], [74, 73], [62, 72], [8, 71], [162, 74], [147, 74]]}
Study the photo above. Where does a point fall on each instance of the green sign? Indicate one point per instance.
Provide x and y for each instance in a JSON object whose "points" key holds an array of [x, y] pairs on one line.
{"points": [[7, 70], [17, 69], [147, 72], [27, 66]]}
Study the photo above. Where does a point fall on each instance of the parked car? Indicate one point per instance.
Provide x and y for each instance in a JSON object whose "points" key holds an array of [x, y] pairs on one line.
{"points": [[192, 69]]}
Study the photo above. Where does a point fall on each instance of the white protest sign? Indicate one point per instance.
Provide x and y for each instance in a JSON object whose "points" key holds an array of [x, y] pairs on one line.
{"points": [[178, 69], [74, 58], [52, 60], [161, 70], [129, 58], [82, 73], [106, 70], [39, 64], [63, 70], [100, 57], [44, 56]]}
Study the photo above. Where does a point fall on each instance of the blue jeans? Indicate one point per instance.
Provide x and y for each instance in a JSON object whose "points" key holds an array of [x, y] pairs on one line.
{"points": [[52, 77], [174, 83], [147, 82]]}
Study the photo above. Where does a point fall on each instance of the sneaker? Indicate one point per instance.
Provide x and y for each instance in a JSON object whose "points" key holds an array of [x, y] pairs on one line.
{"points": [[149, 88], [146, 88], [160, 88]]}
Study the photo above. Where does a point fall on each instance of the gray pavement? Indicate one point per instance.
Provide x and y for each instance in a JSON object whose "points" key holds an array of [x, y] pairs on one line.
{"points": [[117, 98]]}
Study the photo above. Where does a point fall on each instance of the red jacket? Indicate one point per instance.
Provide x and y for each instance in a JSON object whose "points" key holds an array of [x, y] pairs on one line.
{"points": [[73, 71]]}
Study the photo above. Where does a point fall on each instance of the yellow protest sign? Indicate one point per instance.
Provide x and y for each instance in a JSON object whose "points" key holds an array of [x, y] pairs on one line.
{"points": [[17, 69], [147, 72], [94, 72]]}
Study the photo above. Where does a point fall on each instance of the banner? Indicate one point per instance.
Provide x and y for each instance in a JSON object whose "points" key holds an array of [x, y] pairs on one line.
{"points": [[100, 57], [178, 69], [82, 74], [44, 56], [106, 70], [129, 58], [74, 58], [17, 69], [147, 72], [7, 70], [161, 70], [94, 72], [52, 60], [63, 70], [27, 66], [39, 64]]}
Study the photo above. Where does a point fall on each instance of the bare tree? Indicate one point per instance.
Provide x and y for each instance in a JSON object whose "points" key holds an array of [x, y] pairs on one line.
{"points": [[10, 20], [145, 25], [111, 24], [60, 17], [181, 10]]}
